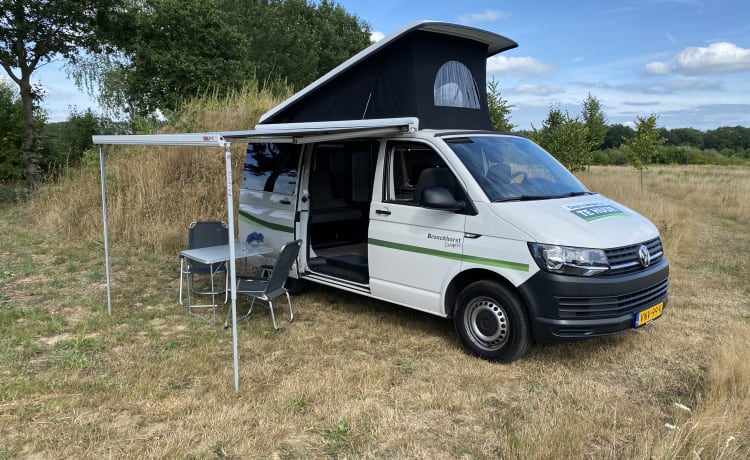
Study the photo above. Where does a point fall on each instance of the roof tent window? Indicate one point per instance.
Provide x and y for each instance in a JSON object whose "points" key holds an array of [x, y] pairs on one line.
{"points": [[455, 87]]}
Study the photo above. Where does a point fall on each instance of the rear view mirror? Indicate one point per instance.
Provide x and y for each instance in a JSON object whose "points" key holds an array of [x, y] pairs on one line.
{"points": [[440, 198]]}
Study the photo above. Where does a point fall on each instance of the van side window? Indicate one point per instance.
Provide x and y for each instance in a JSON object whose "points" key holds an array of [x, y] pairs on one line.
{"points": [[455, 87], [271, 168], [406, 162]]}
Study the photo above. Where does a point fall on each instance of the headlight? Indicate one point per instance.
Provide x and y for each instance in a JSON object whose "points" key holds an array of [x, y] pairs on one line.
{"points": [[566, 260]]}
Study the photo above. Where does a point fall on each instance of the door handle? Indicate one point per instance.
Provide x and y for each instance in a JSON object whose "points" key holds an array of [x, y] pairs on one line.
{"points": [[285, 201], [384, 212]]}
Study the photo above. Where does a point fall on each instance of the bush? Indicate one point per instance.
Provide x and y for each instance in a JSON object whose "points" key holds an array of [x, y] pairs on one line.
{"points": [[613, 156]]}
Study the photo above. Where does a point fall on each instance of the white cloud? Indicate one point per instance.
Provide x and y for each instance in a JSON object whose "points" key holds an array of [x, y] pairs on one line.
{"points": [[523, 66], [691, 84], [657, 68], [376, 36], [539, 90], [721, 57], [484, 16]]}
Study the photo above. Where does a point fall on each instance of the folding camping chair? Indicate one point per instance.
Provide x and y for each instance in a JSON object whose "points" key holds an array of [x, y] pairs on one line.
{"points": [[269, 288], [202, 235]]}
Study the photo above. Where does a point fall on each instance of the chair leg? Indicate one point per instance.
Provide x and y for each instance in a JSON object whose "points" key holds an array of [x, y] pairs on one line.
{"points": [[227, 325], [213, 295], [189, 284], [182, 274], [273, 316], [291, 312]]}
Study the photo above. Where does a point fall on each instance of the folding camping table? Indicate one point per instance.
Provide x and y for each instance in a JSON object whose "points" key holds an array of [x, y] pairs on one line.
{"points": [[215, 254]]}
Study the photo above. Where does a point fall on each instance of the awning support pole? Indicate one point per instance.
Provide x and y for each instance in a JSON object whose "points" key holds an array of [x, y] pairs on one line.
{"points": [[106, 228], [232, 263]]}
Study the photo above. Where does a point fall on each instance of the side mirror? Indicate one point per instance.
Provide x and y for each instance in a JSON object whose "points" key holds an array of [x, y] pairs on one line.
{"points": [[440, 198]]}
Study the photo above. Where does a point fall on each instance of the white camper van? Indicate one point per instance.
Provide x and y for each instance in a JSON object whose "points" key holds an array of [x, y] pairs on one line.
{"points": [[388, 171]]}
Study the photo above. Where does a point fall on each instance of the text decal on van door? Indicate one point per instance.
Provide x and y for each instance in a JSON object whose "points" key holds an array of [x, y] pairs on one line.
{"points": [[594, 210]]}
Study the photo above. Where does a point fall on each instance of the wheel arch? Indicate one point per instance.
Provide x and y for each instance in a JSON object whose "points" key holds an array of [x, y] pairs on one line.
{"points": [[463, 279]]}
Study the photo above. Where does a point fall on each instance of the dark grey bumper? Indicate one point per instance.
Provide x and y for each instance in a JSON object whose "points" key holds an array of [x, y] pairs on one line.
{"points": [[570, 307]]}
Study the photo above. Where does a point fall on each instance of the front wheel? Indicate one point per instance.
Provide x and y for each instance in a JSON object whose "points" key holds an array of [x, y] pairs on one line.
{"points": [[491, 321]]}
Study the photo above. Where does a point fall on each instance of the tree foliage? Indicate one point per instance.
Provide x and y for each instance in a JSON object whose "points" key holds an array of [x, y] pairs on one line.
{"points": [[169, 50], [616, 135], [11, 133], [595, 121], [499, 109], [566, 138], [32, 33], [642, 148]]}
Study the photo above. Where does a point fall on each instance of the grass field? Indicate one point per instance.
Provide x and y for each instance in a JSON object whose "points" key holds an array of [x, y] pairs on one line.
{"points": [[353, 377]]}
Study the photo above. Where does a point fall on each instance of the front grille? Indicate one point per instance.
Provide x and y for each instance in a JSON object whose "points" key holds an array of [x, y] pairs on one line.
{"points": [[625, 259], [611, 307]]}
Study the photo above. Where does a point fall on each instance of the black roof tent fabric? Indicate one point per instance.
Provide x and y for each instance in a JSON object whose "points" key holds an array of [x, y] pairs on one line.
{"points": [[398, 81]]}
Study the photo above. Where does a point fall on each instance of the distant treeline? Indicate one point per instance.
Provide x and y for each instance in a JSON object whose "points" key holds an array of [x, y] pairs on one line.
{"points": [[724, 145]]}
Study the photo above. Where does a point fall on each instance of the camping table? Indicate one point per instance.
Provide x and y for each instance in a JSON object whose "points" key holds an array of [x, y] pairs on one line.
{"points": [[216, 254]]}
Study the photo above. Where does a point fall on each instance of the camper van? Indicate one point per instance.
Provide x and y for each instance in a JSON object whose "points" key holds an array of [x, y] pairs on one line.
{"points": [[387, 169]]}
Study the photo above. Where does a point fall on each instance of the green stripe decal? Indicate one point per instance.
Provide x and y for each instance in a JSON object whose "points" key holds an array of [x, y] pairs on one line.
{"points": [[450, 255], [615, 214], [247, 217]]}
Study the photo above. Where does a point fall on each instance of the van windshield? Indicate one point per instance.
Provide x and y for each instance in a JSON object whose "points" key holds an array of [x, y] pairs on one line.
{"points": [[510, 168]]}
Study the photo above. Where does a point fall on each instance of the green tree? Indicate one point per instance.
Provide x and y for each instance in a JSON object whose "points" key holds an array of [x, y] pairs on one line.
{"points": [[595, 121], [726, 137], [11, 133], [616, 135], [685, 136], [566, 138], [499, 109], [32, 33], [170, 50], [642, 148]]}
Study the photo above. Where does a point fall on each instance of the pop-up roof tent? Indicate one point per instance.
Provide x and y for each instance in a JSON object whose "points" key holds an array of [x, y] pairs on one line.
{"points": [[426, 75], [435, 72]]}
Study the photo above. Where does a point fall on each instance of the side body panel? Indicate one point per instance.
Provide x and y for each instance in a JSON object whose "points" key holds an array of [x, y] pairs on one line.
{"points": [[268, 196], [413, 251]]}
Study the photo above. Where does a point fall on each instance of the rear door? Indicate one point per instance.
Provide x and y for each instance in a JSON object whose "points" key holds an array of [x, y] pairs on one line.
{"points": [[413, 251]]}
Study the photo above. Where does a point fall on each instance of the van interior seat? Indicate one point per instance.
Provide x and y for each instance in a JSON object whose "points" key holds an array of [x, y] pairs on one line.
{"points": [[435, 177], [499, 173], [324, 206]]}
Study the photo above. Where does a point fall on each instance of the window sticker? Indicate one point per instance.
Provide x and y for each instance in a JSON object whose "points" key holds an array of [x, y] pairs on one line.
{"points": [[595, 210]]}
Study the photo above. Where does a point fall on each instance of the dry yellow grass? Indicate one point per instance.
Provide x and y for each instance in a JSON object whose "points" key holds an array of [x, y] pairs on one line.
{"points": [[353, 377], [155, 192]]}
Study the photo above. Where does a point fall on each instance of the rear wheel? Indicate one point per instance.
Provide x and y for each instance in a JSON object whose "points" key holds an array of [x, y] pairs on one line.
{"points": [[491, 321]]}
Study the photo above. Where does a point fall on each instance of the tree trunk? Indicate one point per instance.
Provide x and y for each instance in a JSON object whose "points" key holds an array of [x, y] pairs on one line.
{"points": [[31, 155]]}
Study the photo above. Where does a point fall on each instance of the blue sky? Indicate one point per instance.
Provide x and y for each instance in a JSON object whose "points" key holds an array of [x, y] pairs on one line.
{"points": [[687, 61]]}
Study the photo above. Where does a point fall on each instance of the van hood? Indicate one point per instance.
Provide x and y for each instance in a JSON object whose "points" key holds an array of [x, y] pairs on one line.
{"points": [[591, 221]]}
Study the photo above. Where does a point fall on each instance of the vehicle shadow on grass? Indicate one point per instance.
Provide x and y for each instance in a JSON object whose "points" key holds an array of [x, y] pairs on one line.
{"points": [[402, 321], [389, 314]]}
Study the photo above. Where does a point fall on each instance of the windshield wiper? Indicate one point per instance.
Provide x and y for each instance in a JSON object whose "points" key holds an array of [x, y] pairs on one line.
{"points": [[541, 197]]}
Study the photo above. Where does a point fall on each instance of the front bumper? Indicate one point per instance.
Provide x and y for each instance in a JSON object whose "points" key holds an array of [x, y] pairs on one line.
{"points": [[570, 307]]}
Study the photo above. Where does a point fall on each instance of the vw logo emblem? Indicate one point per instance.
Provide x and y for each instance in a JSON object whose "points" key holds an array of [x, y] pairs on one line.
{"points": [[644, 256]]}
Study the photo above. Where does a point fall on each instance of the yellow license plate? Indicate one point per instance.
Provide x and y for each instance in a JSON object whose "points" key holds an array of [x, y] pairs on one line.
{"points": [[649, 314]]}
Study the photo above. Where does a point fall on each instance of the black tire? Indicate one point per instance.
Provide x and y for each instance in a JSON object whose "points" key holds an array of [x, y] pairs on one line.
{"points": [[492, 322]]}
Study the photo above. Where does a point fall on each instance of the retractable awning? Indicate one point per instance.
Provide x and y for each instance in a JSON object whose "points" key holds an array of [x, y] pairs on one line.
{"points": [[298, 133]]}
